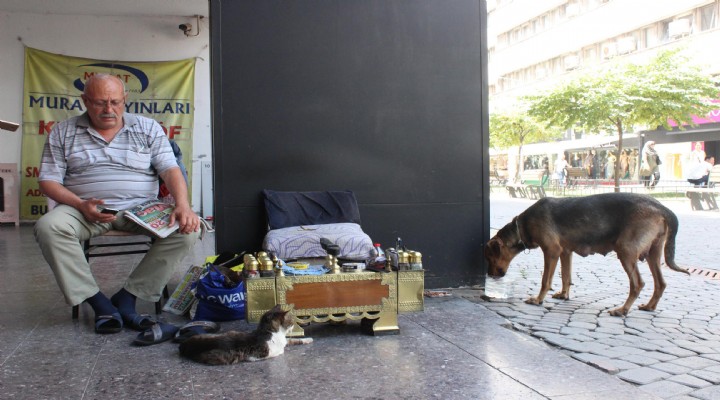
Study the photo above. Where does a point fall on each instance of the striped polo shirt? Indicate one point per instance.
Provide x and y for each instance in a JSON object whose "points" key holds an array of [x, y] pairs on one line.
{"points": [[123, 172]]}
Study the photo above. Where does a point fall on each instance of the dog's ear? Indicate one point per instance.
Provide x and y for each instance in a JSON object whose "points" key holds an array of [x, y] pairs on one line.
{"points": [[497, 243], [493, 246]]}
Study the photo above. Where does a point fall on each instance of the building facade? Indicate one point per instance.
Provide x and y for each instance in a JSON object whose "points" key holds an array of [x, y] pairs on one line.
{"points": [[535, 45]]}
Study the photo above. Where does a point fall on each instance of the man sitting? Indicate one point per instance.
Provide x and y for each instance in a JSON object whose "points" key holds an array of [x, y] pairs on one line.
{"points": [[109, 158], [700, 174]]}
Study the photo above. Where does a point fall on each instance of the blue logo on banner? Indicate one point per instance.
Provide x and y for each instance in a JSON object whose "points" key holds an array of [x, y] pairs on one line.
{"points": [[144, 81]]}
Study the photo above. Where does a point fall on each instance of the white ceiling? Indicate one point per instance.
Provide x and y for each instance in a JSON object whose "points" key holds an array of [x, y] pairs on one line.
{"points": [[181, 8]]}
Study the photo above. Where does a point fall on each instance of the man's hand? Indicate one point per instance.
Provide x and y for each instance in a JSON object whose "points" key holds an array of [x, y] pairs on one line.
{"points": [[89, 209], [183, 214], [186, 219]]}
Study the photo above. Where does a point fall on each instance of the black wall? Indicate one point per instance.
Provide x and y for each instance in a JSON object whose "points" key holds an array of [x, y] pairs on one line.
{"points": [[383, 97]]}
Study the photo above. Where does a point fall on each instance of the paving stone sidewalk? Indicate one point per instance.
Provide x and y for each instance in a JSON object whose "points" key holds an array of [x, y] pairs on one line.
{"points": [[673, 352]]}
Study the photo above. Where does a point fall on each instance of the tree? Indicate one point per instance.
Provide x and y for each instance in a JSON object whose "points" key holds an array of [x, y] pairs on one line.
{"points": [[517, 128], [619, 98]]}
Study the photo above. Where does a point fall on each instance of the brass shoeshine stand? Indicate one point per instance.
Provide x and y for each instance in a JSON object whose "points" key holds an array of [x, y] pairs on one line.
{"points": [[375, 298]]}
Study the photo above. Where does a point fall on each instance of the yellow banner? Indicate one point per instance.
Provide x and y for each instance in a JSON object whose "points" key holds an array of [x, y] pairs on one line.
{"points": [[53, 83]]}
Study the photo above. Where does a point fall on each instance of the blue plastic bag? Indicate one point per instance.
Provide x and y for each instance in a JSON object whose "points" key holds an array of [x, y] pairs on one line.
{"points": [[216, 301]]}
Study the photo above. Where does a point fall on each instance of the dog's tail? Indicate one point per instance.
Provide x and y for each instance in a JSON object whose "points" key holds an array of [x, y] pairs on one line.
{"points": [[672, 224]]}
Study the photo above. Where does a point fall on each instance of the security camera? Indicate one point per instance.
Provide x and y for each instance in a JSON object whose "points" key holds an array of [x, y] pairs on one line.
{"points": [[186, 28]]}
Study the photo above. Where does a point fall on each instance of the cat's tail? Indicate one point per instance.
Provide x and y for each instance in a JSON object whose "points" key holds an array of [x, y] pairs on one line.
{"points": [[197, 347]]}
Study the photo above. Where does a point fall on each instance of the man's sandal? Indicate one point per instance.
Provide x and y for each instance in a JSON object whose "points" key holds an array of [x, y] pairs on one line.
{"points": [[195, 328], [112, 323], [158, 333], [139, 322]]}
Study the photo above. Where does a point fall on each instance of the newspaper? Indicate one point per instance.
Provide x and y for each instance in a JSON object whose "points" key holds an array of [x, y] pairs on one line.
{"points": [[153, 215], [183, 297]]}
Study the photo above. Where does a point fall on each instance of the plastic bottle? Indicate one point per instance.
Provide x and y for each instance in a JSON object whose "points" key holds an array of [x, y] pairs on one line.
{"points": [[378, 260], [379, 251]]}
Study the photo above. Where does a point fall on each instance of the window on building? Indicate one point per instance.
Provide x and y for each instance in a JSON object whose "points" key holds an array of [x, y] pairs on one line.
{"points": [[526, 75], [588, 5], [680, 27], [572, 9], [608, 49], [708, 17], [664, 30], [541, 71], [560, 12], [508, 81], [590, 55], [526, 31], [557, 66], [627, 44], [650, 37], [516, 78], [502, 40], [501, 84], [514, 35]]}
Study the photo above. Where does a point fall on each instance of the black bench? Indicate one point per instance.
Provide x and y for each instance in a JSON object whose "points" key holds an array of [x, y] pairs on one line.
{"points": [[706, 194]]}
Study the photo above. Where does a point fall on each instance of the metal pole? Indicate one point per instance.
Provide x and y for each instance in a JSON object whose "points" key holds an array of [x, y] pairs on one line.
{"points": [[202, 208], [640, 154]]}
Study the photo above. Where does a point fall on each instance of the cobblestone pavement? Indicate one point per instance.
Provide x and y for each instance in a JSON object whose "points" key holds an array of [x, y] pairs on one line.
{"points": [[673, 352]]}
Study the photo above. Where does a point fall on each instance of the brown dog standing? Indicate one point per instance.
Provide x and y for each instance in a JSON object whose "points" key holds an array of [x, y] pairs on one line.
{"points": [[635, 226]]}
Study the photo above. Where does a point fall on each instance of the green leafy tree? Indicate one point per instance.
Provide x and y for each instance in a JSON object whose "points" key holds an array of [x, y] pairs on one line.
{"points": [[667, 88], [517, 128]]}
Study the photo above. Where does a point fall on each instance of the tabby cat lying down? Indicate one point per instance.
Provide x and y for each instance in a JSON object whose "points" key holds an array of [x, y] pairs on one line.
{"points": [[232, 347]]}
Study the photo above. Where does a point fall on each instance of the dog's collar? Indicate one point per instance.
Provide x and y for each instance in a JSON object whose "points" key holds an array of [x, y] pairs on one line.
{"points": [[520, 241]]}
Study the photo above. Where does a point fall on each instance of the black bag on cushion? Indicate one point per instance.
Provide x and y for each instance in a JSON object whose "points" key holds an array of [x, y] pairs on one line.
{"points": [[285, 209]]}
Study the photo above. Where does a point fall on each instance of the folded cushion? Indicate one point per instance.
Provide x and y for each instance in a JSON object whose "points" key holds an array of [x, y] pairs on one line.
{"points": [[304, 241]]}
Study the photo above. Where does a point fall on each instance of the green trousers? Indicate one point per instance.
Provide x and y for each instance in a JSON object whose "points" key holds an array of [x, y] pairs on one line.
{"points": [[60, 234]]}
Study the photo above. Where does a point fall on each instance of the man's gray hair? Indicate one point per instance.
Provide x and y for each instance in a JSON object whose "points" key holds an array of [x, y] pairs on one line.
{"points": [[100, 77]]}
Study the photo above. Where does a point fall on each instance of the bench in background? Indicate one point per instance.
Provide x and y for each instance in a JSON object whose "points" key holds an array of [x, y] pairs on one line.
{"points": [[574, 174], [706, 194], [498, 178], [530, 185]]}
